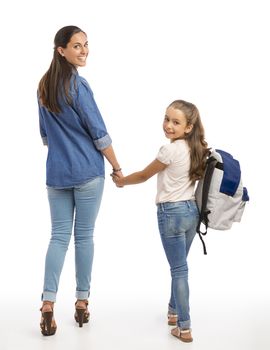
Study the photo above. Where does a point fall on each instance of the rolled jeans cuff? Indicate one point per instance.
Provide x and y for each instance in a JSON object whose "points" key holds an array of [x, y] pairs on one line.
{"points": [[184, 324], [82, 295], [48, 296]]}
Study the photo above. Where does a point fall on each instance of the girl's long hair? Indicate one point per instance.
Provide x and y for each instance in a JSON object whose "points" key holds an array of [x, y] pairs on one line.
{"points": [[195, 138], [55, 82]]}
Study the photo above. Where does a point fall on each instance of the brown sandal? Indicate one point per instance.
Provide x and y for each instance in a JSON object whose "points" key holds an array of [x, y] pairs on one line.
{"points": [[82, 314], [47, 324], [182, 334], [172, 319]]}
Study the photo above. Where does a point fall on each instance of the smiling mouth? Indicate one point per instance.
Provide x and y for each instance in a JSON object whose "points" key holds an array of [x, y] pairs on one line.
{"points": [[82, 58]]}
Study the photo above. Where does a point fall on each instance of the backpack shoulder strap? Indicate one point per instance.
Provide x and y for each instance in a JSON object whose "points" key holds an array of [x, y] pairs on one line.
{"points": [[212, 162]]}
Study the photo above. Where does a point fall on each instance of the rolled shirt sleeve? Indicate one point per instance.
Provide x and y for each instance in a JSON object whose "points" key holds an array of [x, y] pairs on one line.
{"points": [[87, 109], [103, 143]]}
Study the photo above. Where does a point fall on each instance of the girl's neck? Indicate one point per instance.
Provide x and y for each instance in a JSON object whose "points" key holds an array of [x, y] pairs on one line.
{"points": [[180, 138]]}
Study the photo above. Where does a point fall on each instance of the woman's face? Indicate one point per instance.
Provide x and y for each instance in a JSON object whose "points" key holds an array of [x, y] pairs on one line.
{"points": [[76, 51]]}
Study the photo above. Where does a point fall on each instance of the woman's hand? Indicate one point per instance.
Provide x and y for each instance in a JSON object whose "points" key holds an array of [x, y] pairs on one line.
{"points": [[116, 177]]}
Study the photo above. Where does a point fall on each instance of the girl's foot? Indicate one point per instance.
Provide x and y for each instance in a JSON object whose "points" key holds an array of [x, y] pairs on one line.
{"points": [[47, 323], [182, 334], [82, 314], [172, 319]]}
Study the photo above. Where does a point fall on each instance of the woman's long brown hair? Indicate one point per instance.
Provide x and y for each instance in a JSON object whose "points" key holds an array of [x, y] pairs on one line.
{"points": [[195, 138], [55, 82]]}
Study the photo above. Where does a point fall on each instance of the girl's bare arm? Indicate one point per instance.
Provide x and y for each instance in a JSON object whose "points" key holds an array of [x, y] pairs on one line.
{"points": [[140, 176]]}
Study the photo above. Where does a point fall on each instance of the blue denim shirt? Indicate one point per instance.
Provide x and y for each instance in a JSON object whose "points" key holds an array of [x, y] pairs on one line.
{"points": [[74, 138]]}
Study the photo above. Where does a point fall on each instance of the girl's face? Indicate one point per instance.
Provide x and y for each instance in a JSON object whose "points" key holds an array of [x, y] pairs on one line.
{"points": [[175, 124], [76, 51]]}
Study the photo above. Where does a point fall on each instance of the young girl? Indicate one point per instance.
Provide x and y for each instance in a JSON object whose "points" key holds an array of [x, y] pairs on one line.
{"points": [[77, 139], [178, 165]]}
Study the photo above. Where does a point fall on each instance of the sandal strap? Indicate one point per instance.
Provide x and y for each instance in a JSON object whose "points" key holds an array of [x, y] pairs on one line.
{"points": [[184, 331], [46, 302], [84, 301]]}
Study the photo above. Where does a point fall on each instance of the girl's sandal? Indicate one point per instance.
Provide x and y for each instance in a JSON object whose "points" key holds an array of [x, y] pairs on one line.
{"points": [[82, 314], [182, 334], [47, 324], [172, 319]]}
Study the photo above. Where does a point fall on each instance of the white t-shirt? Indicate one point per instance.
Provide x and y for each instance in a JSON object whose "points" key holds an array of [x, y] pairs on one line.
{"points": [[173, 183]]}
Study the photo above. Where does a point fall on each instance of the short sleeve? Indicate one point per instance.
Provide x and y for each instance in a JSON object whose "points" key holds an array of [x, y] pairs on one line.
{"points": [[165, 154]]}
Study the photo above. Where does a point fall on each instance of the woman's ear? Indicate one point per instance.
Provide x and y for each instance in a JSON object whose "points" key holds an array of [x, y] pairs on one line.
{"points": [[61, 51]]}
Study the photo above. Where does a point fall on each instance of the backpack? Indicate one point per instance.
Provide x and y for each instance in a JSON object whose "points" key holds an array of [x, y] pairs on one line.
{"points": [[220, 194]]}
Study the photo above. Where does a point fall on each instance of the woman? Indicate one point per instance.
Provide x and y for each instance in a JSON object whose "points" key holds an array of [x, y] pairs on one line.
{"points": [[74, 131]]}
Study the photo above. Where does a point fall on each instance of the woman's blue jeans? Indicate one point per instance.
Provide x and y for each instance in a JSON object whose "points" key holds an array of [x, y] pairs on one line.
{"points": [[78, 207], [177, 225]]}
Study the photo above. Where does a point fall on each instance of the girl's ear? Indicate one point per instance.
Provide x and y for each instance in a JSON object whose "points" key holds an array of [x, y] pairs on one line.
{"points": [[60, 51], [188, 128]]}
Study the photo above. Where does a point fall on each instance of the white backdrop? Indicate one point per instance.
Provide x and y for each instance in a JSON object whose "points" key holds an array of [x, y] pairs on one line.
{"points": [[143, 55]]}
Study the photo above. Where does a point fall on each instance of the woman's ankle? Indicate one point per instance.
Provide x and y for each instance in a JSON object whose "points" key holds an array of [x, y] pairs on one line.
{"points": [[81, 303], [47, 306]]}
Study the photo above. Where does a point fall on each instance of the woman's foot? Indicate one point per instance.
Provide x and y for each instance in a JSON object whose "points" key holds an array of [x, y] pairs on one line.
{"points": [[182, 334], [172, 319], [47, 323], [82, 314]]}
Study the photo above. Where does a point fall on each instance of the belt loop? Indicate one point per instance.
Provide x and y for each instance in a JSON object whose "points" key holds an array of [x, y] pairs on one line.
{"points": [[161, 206], [188, 204]]}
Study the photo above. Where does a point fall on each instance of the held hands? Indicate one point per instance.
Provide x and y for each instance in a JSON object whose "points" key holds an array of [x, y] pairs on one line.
{"points": [[117, 176]]}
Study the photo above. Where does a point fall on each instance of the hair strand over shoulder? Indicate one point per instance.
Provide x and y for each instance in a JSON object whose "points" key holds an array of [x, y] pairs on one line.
{"points": [[199, 150]]}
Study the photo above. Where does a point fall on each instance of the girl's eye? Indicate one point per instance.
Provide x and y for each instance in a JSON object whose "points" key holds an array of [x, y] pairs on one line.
{"points": [[176, 123]]}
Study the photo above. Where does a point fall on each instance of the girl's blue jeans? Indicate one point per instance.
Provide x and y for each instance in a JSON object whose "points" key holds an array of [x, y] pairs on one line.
{"points": [[78, 207], [177, 225]]}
